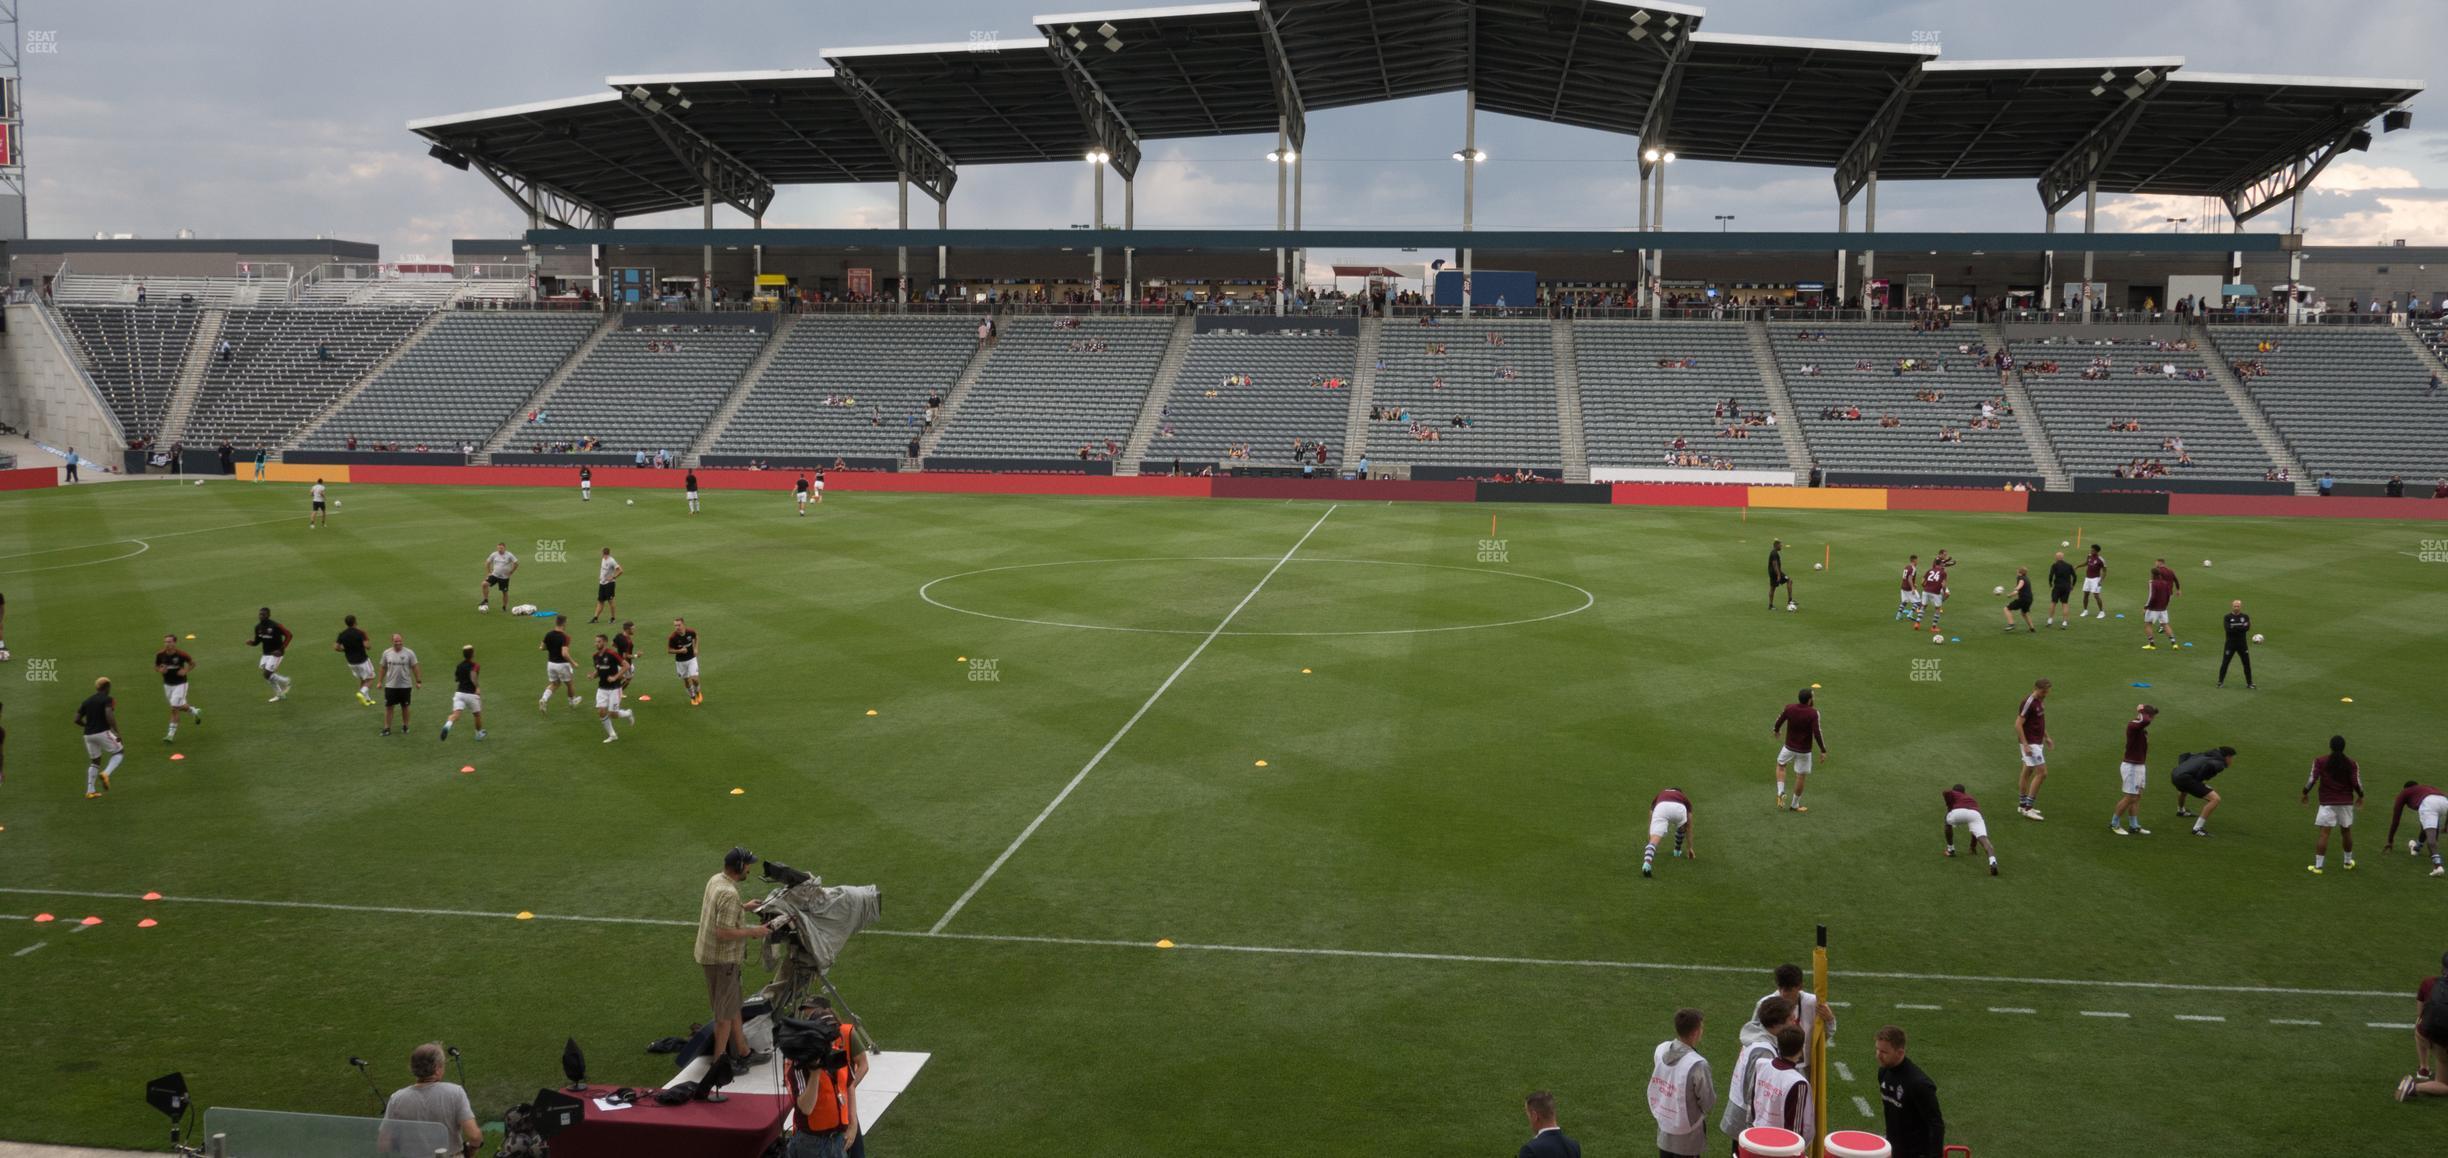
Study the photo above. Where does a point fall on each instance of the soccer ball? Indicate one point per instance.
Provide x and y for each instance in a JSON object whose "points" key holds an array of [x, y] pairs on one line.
{"points": [[4, 656], [484, 607], [1997, 591], [1818, 566], [2205, 562], [1790, 605], [199, 482], [633, 502], [2065, 542], [1937, 637], [2256, 637]]}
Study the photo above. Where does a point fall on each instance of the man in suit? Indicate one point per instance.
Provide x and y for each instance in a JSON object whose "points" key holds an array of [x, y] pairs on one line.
{"points": [[1547, 1139]]}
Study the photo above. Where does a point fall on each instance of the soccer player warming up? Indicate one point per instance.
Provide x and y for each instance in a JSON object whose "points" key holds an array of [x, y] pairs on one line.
{"points": [[2019, 601], [273, 639], [2163, 590], [1800, 724], [465, 695], [1908, 600], [2430, 1038], [2094, 569], [799, 492], [2133, 773], [683, 648], [2430, 807], [558, 670], [99, 717], [1777, 577], [2191, 777], [2340, 783], [611, 676], [175, 666], [1962, 809], [2239, 644], [351, 644], [689, 485], [2061, 592], [1934, 587], [1669, 811], [2032, 740]]}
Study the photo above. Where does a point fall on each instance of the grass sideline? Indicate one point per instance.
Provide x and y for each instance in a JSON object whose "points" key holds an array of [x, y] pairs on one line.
{"points": [[1478, 794]]}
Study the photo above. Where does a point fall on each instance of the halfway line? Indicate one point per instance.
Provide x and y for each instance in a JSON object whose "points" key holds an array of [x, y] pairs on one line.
{"points": [[1127, 725]]}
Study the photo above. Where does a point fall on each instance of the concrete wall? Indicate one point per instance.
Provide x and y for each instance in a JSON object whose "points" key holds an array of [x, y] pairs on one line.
{"points": [[43, 394]]}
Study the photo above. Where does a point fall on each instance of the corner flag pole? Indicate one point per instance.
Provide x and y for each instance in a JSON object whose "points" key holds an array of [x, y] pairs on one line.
{"points": [[1819, 1049]]}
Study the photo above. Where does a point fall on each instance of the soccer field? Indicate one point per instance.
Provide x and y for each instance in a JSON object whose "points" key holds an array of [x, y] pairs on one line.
{"points": [[1384, 796]]}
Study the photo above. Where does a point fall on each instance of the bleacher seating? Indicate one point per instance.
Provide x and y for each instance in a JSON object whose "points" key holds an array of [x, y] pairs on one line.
{"points": [[2076, 412], [134, 356], [1513, 422], [1880, 389], [120, 289], [459, 383], [1633, 408], [428, 293], [285, 366], [876, 372], [650, 389], [1286, 399], [1038, 397], [2352, 401]]}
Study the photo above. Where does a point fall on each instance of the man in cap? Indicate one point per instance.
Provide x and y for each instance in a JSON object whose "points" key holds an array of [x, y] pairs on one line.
{"points": [[725, 925]]}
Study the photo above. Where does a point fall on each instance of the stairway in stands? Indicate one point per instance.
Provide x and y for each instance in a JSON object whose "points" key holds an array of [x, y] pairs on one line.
{"points": [[1151, 412], [1772, 380], [948, 413], [190, 382], [740, 390], [518, 420], [1570, 436], [1363, 390], [2027, 419], [2272, 443]]}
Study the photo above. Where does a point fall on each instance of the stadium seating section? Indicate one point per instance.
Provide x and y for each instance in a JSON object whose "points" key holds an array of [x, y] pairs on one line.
{"points": [[1440, 372], [653, 388], [134, 356], [2353, 401], [1286, 397], [1844, 367], [285, 366], [108, 289], [2137, 388], [1043, 394], [1637, 397], [459, 383], [849, 386]]}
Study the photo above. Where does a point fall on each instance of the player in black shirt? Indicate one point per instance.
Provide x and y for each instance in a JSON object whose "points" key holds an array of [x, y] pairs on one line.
{"points": [[690, 484], [626, 642], [683, 648], [558, 671], [274, 640], [2239, 643], [1777, 577], [465, 697], [611, 676], [351, 644], [2192, 778], [175, 666], [586, 484], [799, 491], [2061, 591], [99, 716]]}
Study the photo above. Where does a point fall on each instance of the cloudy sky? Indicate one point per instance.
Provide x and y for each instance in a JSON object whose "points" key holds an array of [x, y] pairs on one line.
{"points": [[282, 118]]}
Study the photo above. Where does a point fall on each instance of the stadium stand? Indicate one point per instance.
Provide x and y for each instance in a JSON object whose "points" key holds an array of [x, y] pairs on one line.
{"points": [[134, 356], [285, 366], [1258, 391], [649, 389], [1637, 398], [1830, 369], [2133, 383], [2353, 401], [849, 386], [458, 384], [1439, 373], [120, 290], [1045, 393]]}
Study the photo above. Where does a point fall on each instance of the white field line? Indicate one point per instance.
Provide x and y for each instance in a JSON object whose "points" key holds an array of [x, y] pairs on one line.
{"points": [[2199, 1017], [1127, 725], [2011, 1009], [2104, 1013], [2291, 1021], [1901, 1005], [2388, 1025], [29, 948], [1844, 1073], [1266, 950], [1863, 1104], [149, 535]]}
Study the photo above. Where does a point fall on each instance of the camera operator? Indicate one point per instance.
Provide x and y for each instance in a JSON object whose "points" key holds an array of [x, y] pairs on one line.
{"points": [[725, 925], [826, 1125], [431, 1099]]}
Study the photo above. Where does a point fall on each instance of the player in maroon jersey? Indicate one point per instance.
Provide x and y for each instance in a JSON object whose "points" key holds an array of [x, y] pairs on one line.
{"points": [[1934, 586], [1800, 723], [1962, 809], [2430, 807], [2032, 740], [1908, 604], [2163, 590], [2133, 772], [2340, 784], [1669, 811], [2094, 570]]}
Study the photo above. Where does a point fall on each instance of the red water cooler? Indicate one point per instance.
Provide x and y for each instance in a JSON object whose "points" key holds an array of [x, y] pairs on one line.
{"points": [[1770, 1142]]}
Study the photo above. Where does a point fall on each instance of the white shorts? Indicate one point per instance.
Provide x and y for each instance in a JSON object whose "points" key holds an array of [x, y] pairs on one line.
{"points": [[685, 668], [2091, 586], [101, 744], [1967, 818], [466, 702], [816, 487], [1933, 599], [1912, 598], [608, 699], [2434, 812], [363, 671], [269, 663], [692, 496], [1668, 817], [2154, 617], [799, 496], [2333, 816], [176, 694], [2131, 778], [586, 486], [2034, 755], [559, 673], [1801, 761]]}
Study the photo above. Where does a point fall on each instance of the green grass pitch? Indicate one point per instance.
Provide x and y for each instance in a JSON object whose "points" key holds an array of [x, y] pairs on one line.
{"points": [[1460, 810]]}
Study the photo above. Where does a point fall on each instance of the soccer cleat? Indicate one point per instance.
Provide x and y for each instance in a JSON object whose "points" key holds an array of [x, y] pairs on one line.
{"points": [[2150, 647], [2314, 869], [1993, 866], [1645, 868], [2405, 1088], [2251, 687], [480, 733], [2439, 871], [2413, 846], [2201, 832], [2113, 830], [93, 796], [1950, 851], [2141, 832], [2349, 866], [1798, 807], [445, 734], [2183, 811], [276, 698], [105, 781], [611, 737], [386, 731]]}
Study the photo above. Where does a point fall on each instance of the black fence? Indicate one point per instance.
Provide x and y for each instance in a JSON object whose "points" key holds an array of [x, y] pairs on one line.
{"points": [[374, 457], [1883, 478], [2183, 486], [1023, 465]]}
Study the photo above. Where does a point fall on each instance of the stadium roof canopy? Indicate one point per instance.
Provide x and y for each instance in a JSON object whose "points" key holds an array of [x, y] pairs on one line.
{"points": [[1106, 81]]}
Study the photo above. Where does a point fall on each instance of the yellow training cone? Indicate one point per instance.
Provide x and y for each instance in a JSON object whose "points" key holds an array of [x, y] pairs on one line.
{"points": [[871, 711], [1304, 671], [2345, 699], [960, 659], [1164, 943], [739, 792], [524, 915], [1814, 685], [191, 636], [1262, 763]]}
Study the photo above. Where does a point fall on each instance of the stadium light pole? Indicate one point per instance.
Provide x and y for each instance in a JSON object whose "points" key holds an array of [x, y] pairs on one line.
{"points": [[2048, 268], [705, 287], [1096, 161], [1724, 222], [1660, 158], [1640, 256], [1869, 226], [1470, 156], [1283, 150], [901, 295], [2090, 223], [1844, 223]]}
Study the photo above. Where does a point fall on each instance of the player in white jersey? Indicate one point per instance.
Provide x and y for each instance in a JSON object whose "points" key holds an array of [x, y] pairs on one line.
{"points": [[316, 516], [607, 580], [499, 567]]}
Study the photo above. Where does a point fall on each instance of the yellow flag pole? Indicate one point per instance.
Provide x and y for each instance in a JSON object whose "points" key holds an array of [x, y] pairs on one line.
{"points": [[1819, 1049]]}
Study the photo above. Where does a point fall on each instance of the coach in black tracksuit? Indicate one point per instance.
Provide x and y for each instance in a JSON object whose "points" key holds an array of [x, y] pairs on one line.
{"points": [[2239, 643]]}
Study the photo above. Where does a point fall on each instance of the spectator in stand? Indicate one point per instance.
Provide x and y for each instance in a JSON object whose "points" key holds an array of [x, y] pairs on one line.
{"points": [[2396, 486], [2328, 484]]}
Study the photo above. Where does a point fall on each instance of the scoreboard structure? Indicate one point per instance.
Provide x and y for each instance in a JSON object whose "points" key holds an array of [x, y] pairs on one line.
{"points": [[15, 43]]}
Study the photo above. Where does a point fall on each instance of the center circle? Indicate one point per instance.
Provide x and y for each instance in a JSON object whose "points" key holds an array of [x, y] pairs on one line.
{"points": [[1303, 597]]}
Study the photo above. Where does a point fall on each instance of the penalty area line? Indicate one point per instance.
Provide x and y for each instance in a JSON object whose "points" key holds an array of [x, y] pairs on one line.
{"points": [[1127, 725]]}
